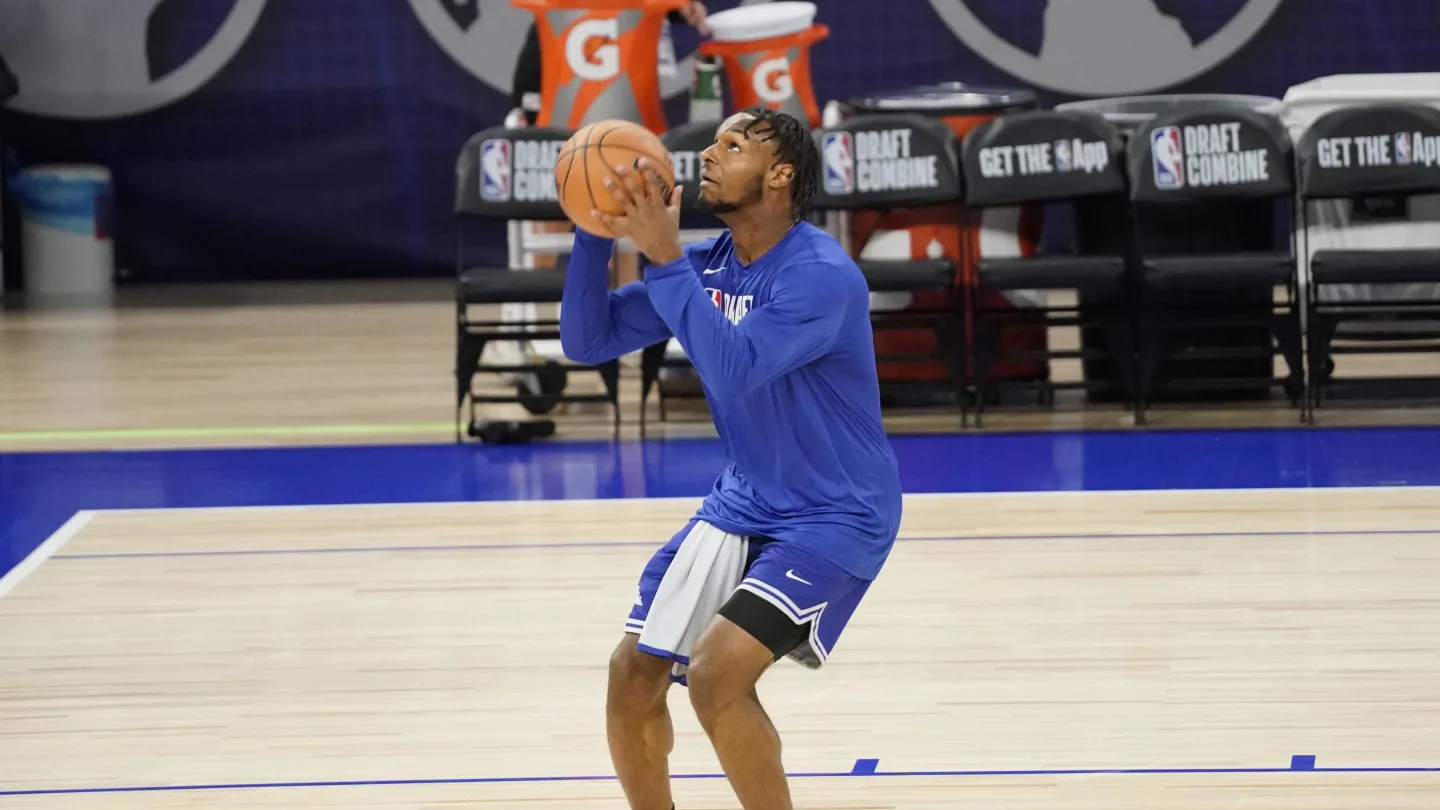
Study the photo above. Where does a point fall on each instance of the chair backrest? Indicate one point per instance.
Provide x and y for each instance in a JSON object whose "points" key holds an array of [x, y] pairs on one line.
{"points": [[685, 143], [1371, 149], [509, 173], [885, 161], [1042, 156], [1215, 154]]}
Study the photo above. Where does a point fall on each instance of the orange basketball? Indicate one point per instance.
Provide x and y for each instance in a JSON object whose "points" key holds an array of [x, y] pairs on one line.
{"points": [[591, 155]]}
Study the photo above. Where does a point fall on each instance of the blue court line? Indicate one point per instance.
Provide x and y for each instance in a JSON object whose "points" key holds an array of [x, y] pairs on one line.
{"points": [[657, 542], [865, 767], [843, 774]]}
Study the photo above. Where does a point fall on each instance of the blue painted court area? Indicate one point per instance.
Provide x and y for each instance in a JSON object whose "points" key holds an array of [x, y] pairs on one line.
{"points": [[40, 491]]}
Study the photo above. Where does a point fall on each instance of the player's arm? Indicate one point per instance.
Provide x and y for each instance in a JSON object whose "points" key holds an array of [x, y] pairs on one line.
{"points": [[596, 323], [796, 326]]}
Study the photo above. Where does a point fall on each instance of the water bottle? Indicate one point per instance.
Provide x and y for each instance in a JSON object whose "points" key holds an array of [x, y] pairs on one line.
{"points": [[706, 103]]}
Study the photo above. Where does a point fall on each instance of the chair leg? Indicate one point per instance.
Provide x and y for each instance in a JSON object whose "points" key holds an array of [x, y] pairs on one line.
{"points": [[1119, 333], [950, 338], [610, 375], [987, 347], [1322, 332], [468, 349], [1149, 351], [965, 348], [1285, 327], [651, 358]]}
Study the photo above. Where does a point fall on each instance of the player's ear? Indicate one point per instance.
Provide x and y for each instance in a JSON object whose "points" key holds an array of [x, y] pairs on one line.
{"points": [[781, 175]]}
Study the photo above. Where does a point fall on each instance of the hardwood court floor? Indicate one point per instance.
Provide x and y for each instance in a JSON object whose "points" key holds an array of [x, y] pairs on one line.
{"points": [[1017, 652], [323, 363]]}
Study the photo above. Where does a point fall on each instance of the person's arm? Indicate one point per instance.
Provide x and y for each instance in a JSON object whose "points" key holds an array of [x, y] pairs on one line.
{"points": [[796, 326], [597, 324]]}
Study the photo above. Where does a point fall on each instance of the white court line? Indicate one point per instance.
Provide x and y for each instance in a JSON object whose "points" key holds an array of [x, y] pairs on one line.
{"points": [[43, 551], [696, 499]]}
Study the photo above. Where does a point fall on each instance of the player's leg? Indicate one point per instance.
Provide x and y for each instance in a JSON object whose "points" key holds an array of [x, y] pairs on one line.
{"points": [[637, 725], [727, 663], [637, 717], [790, 603]]}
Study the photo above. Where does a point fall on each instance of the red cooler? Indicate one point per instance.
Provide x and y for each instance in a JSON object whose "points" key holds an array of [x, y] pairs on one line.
{"points": [[599, 59], [766, 51], [952, 231]]}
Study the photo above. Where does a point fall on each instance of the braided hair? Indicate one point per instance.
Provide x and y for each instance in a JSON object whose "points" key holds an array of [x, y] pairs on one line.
{"points": [[795, 145]]}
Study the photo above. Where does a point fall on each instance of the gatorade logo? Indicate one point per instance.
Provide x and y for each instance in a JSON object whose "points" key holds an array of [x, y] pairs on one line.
{"points": [[590, 49], [771, 80]]}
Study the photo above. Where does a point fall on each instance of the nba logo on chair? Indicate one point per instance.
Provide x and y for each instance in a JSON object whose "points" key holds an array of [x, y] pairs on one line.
{"points": [[495, 170], [1167, 157], [1402, 149], [839, 156], [1062, 155]]}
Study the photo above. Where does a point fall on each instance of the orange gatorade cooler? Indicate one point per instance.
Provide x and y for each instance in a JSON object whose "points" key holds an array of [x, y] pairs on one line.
{"points": [[599, 59], [951, 231], [766, 50]]}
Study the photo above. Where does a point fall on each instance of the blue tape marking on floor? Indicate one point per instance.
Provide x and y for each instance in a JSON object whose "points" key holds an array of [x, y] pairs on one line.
{"points": [[865, 767], [851, 774], [1302, 762]]}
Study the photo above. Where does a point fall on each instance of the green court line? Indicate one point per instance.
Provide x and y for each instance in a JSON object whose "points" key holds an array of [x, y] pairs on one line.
{"points": [[221, 432]]}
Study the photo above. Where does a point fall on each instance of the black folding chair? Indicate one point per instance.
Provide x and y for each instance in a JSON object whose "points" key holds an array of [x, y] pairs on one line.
{"points": [[1207, 188], [913, 164], [506, 174], [1360, 170], [1034, 158]]}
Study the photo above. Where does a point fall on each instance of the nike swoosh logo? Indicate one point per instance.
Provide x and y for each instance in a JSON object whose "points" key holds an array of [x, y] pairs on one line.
{"points": [[791, 575], [708, 272]]}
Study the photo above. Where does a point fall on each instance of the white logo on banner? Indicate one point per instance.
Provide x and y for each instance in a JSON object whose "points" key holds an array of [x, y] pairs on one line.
{"points": [[597, 64], [489, 45], [1107, 47], [772, 82], [87, 59]]}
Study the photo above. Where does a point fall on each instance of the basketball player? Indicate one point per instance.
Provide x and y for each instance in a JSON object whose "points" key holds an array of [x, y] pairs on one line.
{"points": [[775, 318]]}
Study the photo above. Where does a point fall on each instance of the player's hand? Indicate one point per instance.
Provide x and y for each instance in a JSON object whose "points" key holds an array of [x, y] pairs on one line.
{"points": [[646, 218], [695, 15]]}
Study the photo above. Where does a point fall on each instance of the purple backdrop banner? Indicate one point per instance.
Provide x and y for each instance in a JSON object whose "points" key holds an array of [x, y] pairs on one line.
{"points": [[285, 139]]}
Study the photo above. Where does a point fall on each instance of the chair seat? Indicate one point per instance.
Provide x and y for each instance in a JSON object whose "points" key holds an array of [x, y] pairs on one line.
{"points": [[1219, 270], [1375, 266], [908, 275], [495, 285], [1050, 272]]}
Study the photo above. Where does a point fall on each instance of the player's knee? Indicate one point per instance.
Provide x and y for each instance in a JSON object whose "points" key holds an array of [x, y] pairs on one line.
{"points": [[635, 675], [712, 687]]}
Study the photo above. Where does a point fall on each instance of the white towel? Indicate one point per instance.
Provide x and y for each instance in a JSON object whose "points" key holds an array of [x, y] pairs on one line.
{"points": [[706, 568]]}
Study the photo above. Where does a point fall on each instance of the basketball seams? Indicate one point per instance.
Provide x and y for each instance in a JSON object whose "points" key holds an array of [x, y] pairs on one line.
{"points": [[585, 155], [664, 187], [596, 140]]}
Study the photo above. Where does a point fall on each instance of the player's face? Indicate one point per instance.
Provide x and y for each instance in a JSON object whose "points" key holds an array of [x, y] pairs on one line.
{"points": [[735, 169]]}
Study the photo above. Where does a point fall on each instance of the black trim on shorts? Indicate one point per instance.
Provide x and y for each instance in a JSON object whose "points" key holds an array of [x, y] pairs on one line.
{"points": [[767, 623]]}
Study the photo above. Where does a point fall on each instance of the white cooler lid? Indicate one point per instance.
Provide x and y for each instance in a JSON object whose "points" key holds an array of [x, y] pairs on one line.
{"points": [[749, 23]]}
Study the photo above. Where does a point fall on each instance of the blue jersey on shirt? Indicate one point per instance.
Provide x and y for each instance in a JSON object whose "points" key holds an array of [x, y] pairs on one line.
{"points": [[784, 350]]}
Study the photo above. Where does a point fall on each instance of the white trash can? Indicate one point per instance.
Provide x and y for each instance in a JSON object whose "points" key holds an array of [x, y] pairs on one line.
{"points": [[65, 222]]}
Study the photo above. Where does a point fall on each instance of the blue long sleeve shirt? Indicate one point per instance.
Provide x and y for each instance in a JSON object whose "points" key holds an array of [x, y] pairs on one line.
{"points": [[784, 351]]}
